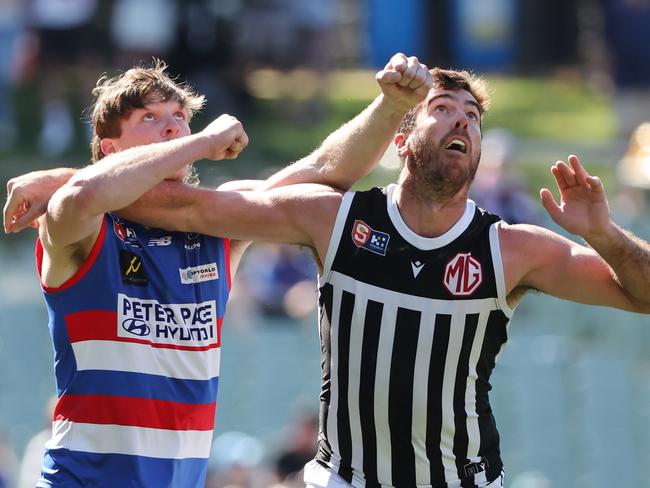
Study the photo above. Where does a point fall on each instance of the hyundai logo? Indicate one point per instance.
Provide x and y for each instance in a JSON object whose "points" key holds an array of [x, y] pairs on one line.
{"points": [[136, 327]]}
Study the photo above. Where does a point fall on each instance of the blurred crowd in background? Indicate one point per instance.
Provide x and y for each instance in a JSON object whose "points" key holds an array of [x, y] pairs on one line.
{"points": [[52, 52]]}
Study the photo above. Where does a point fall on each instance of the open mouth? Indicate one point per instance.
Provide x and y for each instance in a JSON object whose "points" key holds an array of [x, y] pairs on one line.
{"points": [[457, 145]]}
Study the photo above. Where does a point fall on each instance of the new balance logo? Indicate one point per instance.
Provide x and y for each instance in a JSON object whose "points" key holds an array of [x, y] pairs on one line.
{"points": [[416, 266], [160, 241]]}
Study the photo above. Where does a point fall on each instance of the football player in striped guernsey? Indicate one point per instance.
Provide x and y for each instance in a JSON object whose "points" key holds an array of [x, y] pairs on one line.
{"points": [[135, 311], [416, 289]]}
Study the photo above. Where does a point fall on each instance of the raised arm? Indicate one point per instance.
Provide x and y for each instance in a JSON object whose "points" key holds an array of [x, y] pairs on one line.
{"points": [[353, 150], [345, 156], [613, 271], [130, 170], [75, 210]]}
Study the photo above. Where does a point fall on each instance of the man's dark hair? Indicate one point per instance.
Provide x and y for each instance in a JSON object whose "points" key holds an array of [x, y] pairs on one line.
{"points": [[447, 79]]}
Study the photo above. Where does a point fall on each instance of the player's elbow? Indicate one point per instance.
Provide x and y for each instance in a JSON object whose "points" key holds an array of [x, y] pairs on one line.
{"points": [[72, 201]]}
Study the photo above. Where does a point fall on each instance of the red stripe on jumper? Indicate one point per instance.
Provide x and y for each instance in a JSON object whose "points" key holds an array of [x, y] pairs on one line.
{"points": [[81, 272], [226, 254], [136, 412], [101, 325]]}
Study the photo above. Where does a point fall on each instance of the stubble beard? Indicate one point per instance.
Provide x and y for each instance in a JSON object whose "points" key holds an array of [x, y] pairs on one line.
{"points": [[437, 179]]}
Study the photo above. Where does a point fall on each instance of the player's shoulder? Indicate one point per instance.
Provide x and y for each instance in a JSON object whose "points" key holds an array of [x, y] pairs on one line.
{"points": [[532, 244], [516, 235]]}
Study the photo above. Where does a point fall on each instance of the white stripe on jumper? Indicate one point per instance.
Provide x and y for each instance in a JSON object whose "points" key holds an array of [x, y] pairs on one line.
{"points": [[473, 430], [142, 358], [135, 441]]}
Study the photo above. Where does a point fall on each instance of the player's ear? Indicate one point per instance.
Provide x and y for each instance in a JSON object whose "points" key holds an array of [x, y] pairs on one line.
{"points": [[108, 146], [402, 144]]}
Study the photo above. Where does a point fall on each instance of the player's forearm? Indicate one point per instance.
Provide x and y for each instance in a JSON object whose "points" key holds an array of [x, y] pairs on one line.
{"points": [[164, 206], [629, 258], [350, 152], [119, 179]]}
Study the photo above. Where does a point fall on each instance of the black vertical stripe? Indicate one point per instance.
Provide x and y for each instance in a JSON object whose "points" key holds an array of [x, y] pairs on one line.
{"points": [[434, 412], [342, 375], [325, 310], [400, 396], [495, 337], [461, 438], [370, 347]]}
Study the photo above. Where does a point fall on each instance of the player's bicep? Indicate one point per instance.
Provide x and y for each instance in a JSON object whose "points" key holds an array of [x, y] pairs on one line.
{"points": [[565, 269], [67, 220]]}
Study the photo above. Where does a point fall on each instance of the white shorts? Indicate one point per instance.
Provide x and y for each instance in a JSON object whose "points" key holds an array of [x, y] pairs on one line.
{"points": [[317, 476]]}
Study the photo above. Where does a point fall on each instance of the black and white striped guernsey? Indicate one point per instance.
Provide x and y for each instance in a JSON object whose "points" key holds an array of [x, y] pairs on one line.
{"points": [[410, 328]]}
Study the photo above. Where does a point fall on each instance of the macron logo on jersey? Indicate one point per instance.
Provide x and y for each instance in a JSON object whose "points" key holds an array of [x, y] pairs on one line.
{"points": [[366, 237], [197, 274], [178, 324]]}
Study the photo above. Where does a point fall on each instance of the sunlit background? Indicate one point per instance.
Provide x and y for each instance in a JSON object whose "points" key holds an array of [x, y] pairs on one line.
{"points": [[572, 387]]}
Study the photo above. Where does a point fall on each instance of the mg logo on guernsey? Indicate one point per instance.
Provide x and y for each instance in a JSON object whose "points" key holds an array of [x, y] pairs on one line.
{"points": [[366, 237], [178, 324], [463, 274]]}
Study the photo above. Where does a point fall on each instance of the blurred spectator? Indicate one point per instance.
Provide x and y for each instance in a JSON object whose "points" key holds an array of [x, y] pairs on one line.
{"points": [[499, 186], [30, 465], [313, 21], [531, 479], [299, 448], [206, 51], [9, 32], [281, 280], [633, 172], [634, 168], [67, 50], [8, 463], [143, 29], [627, 23], [267, 38], [235, 462]]}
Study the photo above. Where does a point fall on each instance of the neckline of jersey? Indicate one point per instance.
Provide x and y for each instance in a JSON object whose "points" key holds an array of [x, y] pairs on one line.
{"points": [[421, 242]]}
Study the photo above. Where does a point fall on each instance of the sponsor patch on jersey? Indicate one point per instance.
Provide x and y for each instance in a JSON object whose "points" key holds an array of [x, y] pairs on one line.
{"points": [[366, 237], [192, 241], [477, 467], [124, 233], [132, 269], [463, 274], [197, 274], [178, 324]]}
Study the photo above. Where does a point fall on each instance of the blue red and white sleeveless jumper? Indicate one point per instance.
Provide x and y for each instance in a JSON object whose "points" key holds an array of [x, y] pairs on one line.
{"points": [[410, 329], [137, 336]]}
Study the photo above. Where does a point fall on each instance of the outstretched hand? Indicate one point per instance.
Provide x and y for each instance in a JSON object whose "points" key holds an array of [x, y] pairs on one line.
{"points": [[405, 81], [583, 209]]}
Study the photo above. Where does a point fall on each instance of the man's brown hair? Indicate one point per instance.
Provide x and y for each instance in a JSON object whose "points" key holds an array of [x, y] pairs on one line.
{"points": [[447, 79], [117, 97]]}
